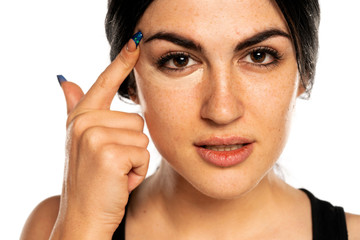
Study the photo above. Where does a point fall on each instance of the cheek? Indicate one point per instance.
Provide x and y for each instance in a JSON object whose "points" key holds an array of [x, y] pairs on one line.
{"points": [[169, 107], [271, 110]]}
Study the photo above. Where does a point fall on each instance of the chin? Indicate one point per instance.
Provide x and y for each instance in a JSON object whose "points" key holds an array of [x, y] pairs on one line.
{"points": [[226, 184], [227, 192]]}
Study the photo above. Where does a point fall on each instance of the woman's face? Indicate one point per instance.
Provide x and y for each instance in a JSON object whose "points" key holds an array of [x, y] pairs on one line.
{"points": [[217, 74]]}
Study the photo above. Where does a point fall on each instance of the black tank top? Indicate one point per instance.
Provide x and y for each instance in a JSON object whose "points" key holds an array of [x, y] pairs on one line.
{"points": [[328, 222]]}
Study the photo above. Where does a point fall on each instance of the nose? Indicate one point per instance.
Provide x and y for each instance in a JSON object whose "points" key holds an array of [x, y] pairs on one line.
{"points": [[222, 103]]}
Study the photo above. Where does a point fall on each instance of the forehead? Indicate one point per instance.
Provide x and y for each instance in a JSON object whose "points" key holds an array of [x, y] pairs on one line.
{"points": [[202, 19]]}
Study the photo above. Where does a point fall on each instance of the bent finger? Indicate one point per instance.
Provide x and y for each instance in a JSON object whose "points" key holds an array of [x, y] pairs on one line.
{"points": [[95, 137]]}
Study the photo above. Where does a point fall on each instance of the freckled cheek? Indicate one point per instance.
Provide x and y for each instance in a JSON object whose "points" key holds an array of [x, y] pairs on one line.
{"points": [[165, 106], [274, 110], [170, 111], [171, 119]]}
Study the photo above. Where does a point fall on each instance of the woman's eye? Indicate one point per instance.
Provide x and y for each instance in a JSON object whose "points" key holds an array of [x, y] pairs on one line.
{"points": [[176, 61], [262, 57], [179, 61]]}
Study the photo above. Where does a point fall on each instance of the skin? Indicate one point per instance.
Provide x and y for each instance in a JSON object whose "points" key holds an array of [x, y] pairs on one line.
{"points": [[222, 92], [222, 95]]}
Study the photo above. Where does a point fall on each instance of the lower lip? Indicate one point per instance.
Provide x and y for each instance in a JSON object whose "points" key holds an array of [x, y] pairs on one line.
{"points": [[226, 158]]}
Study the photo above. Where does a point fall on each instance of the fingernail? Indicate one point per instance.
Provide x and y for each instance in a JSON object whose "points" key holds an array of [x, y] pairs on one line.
{"points": [[61, 79], [136, 38]]}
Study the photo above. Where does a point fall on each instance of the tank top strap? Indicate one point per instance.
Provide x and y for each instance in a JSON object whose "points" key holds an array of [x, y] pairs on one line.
{"points": [[328, 221]]}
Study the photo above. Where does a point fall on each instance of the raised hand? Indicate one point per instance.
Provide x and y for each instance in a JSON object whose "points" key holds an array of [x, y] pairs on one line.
{"points": [[106, 155]]}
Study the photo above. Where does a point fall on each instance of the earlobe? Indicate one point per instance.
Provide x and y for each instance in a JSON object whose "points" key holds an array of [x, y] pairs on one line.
{"points": [[301, 90], [302, 86], [133, 96]]}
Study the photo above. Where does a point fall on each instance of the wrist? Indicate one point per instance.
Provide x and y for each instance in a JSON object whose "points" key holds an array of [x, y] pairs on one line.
{"points": [[77, 229]]}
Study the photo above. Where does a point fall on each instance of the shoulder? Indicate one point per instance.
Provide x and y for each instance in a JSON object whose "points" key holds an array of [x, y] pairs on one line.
{"points": [[353, 226], [42, 219]]}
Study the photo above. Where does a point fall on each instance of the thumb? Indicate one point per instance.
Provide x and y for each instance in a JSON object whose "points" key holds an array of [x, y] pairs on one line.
{"points": [[72, 92]]}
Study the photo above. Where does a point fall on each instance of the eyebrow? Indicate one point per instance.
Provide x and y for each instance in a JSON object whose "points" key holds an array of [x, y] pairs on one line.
{"points": [[189, 44], [260, 37], [176, 39]]}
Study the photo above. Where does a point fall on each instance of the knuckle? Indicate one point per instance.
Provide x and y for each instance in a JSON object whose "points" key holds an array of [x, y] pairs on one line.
{"points": [[70, 120], [91, 137], [112, 158], [137, 120], [143, 153], [77, 126], [146, 155], [145, 139], [108, 153], [74, 115], [141, 139], [107, 157]]}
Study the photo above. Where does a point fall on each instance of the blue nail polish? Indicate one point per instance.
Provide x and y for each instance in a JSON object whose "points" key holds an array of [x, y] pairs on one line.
{"points": [[137, 37], [61, 79]]}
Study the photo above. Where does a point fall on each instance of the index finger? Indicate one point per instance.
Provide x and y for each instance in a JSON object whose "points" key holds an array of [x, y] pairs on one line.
{"points": [[104, 89]]}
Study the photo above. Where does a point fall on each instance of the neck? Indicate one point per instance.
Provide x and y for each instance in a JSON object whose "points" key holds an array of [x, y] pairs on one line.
{"points": [[184, 207]]}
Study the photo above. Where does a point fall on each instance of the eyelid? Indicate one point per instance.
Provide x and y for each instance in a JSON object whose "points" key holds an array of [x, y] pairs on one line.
{"points": [[267, 50], [162, 60]]}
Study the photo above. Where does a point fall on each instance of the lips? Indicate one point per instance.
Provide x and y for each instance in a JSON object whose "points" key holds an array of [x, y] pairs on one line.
{"points": [[213, 141], [223, 148], [225, 152]]}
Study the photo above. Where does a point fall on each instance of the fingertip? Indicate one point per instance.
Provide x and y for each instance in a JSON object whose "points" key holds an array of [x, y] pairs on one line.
{"points": [[134, 42], [61, 79], [73, 94], [131, 46]]}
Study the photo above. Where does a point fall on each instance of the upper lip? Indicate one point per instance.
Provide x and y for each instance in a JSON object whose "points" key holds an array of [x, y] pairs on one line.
{"points": [[218, 141]]}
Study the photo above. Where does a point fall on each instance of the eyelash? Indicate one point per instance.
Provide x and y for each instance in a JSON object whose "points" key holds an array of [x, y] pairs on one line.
{"points": [[267, 50], [169, 56]]}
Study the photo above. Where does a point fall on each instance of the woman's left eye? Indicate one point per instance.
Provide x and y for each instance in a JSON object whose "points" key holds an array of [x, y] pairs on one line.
{"points": [[176, 61], [262, 57]]}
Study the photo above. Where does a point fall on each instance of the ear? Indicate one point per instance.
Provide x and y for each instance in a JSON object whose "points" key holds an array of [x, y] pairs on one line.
{"points": [[301, 90], [133, 96], [302, 81]]}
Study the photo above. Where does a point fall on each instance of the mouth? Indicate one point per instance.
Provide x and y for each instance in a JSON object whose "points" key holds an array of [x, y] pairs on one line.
{"points": [[223, 143], [223, 148], [225, 152]]}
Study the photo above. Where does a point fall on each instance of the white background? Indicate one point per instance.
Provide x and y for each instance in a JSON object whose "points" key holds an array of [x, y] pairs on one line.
{"points": [[42, 38]]}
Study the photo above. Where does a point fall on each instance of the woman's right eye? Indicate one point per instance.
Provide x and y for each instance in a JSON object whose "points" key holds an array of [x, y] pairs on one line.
{"points": [[176, 61]]}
